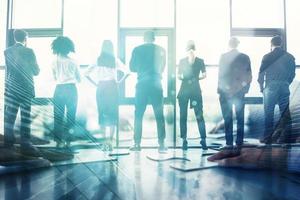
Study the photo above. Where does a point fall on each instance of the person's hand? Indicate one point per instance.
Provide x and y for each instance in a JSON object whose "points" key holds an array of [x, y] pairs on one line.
{"points": [[252, 158], [245, 158], [261, 88]]}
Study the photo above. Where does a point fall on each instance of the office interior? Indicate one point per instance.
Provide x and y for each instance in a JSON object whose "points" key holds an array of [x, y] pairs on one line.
{"points": [[94, 174]]}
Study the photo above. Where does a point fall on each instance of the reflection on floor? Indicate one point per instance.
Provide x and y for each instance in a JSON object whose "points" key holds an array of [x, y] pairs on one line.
{"points": [[136, 177]]}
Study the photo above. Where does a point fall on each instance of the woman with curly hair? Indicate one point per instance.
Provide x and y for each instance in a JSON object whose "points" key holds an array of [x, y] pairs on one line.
{"points": [[66, 74]]}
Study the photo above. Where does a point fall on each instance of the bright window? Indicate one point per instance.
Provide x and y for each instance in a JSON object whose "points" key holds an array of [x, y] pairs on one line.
{"points": [[44, 82], [88, 23], [255, 48], [3, 6], [37, 13], [293, 29], [258, 13], [147, 13], [207, 22]]}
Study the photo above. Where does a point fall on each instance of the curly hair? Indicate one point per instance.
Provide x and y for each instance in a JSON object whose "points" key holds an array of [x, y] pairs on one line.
{"points": [[62, 46]]}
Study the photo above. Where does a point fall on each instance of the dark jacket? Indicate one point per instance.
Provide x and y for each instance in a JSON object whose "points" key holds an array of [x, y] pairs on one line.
{"points": [[148, 61], [189, 74], [21, 66], [278, 66], [235, 73]]}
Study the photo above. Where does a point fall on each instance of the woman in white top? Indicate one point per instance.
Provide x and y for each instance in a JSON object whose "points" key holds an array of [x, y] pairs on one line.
{"points": [[66, 74], [104, 76]]}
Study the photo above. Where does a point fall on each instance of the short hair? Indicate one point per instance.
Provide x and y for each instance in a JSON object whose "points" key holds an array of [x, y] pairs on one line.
{"points": [[190, 45], [20, 35], [234, 42], [62, 46], [276, 40], [149, 36]]}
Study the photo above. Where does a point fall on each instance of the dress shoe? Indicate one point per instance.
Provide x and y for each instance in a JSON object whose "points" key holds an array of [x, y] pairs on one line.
{"points": [[266, 140], [54, 156], [30, 150], [135, 147], [162, 148], [184, 145], [227, 147], [203, 144]]}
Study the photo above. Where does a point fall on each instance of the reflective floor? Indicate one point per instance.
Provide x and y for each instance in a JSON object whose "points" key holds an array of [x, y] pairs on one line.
{"points": [[136, 177]]}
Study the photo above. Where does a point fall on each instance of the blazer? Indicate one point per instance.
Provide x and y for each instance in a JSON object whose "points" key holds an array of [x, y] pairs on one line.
{"points": [[189, 74], [235, 73], [277, 65], [148, 61], [21, 66]]}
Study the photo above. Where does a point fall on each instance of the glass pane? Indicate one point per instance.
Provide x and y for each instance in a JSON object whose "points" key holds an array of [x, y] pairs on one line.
{"points": [[2, 78], [147, 13], [255, 48], [98, 21], [293, 29], [207, 22], [44, 82], [258, 13], [132, 42], [37, 13], [3, 8]]}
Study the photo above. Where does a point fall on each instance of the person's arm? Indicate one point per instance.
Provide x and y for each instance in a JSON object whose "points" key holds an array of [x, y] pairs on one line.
{"points": [[120, 66], [277, 158], [220, 74], [54, 70], [133, 64], [292, 67], [179, 71], [163, 60], [87, 74], [203, 71], [33, 63], [77, 73], [261, 74], [248, 79]]}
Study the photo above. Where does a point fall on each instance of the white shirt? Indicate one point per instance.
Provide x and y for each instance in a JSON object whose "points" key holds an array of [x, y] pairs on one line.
{"points": [[103, 73], [65, 70]]}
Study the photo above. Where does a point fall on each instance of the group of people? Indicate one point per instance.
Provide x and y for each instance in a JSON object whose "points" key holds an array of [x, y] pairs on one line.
{"points": [[276, 73], [148, 60]]}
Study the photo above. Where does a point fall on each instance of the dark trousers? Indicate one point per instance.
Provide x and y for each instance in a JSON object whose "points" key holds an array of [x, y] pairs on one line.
{"points": [[65, 100], [153, 93], [12, 104], [227, 102], [277, 93], [198, 109]]}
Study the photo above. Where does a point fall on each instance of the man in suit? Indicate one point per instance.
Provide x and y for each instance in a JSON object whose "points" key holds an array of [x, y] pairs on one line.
{"points": [[277, 71], [233, 83], [148, 61], [21, 66]]}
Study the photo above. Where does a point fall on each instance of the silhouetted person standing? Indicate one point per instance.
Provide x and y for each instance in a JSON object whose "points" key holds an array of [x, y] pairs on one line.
{"points": [[148, 61], [190, 92], [107, 95], [277, 71], [21, 66], [233, 83], [66, 74]]}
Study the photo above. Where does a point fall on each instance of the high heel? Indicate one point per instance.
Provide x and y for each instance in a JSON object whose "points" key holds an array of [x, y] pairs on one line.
{"points": [[203, 144], [184, 145]]}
